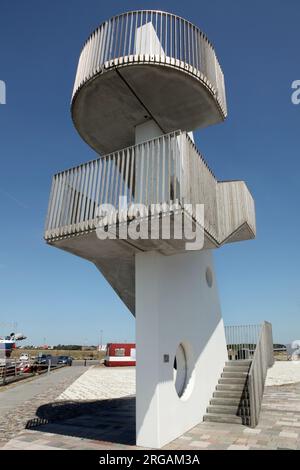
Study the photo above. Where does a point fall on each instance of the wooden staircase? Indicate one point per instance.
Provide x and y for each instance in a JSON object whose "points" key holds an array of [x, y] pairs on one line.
{"points": [[230, 402]]}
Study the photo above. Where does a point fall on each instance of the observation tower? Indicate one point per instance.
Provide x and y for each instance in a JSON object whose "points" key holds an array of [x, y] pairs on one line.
{"points": [[145, 80]]}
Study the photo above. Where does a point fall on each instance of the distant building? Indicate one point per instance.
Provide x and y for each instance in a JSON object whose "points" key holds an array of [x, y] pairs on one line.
{"points": [[120, 354]]}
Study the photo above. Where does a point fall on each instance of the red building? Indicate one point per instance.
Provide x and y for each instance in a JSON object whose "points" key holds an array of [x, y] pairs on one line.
{"points": [[120, 354]]}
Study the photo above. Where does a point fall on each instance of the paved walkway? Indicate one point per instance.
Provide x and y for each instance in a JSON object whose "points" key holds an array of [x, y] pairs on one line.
{"points": [[19, 401], [99, 383], [283, 372], [110, 424]]}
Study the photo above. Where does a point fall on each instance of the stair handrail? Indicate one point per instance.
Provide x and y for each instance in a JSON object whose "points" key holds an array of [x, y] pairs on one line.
{"points": [[263, 358]]}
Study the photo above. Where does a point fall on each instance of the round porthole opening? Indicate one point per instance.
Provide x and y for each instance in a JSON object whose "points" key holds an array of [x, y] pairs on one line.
{"points": [[180, 369]]}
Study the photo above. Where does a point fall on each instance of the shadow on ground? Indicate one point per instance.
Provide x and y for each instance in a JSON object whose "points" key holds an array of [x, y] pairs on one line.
{"points": [[110, 420]]}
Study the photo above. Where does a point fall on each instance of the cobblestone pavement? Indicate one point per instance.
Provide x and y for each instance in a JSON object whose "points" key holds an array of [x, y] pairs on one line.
{"points": [[109, 424], [19, 403]]}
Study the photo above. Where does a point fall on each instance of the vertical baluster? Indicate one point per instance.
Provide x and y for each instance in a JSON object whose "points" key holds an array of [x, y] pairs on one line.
{"points": [[74, 192], [111, 182], [132, 167], [184, 42], [58, 194], [130, 34], [84, 199], [171, 37], [98, 187], [161, 30], [117, 184], [103, 177], [92, 193], [163, 188], [175, 153], [141, 152], [126, 174], [84, 62], [169, 156], [68, 201], [109, 40], [142, 32], [180, 38], [78, 218], [175, 37], [97, 51], [115, 37], [103, 43], [135, 33], [147, 144], [152, 169], [108, 178], [122, 174], [189, 42], [193, 45], [60, 204], [121, 34], [125, 51], [166, 35], [88, 194], [52, 202], [76, 198]]}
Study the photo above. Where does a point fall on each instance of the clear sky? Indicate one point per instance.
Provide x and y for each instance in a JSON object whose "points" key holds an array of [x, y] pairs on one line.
{"points": [[57, 296]]}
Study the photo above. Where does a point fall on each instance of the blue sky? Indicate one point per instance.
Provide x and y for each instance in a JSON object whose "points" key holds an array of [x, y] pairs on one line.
{"points": [[56, 296]]}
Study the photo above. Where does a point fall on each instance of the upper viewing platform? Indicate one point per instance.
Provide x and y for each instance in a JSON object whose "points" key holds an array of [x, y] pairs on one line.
{"points": [[145, 65]]}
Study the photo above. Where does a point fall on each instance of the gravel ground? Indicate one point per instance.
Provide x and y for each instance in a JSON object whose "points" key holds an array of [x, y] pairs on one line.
{"points": [[283, 372]]}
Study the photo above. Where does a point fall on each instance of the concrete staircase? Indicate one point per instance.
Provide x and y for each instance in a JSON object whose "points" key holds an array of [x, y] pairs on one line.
{"points": [[230, 402]]}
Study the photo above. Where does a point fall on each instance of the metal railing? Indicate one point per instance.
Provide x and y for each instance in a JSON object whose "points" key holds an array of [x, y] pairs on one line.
{"points": [[165, 170], [159, 173], [151, 36], [263, 359], [254, 343], [241, 341]]}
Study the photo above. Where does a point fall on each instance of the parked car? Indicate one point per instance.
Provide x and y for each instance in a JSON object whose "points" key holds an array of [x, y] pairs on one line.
{"points": [[45, 359], [67, 360], [24, 357], [25, 367]]}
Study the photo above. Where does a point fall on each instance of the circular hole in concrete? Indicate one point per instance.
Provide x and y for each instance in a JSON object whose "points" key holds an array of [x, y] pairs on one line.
{"points": [[180, 370], [209, 277]]}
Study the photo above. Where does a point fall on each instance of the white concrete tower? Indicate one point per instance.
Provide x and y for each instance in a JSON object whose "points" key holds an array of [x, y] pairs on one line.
{"points": [[145, 81]]}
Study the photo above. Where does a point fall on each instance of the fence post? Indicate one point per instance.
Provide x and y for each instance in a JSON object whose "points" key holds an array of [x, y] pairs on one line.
{"points": [[49, 366]]}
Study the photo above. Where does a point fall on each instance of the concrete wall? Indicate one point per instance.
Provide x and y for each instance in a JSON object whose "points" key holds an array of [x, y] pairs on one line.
{"points": [[175, 305]]}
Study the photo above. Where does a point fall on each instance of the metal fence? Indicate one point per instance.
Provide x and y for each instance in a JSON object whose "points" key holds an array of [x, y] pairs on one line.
{"points": [[241, 341], [151, 36]]}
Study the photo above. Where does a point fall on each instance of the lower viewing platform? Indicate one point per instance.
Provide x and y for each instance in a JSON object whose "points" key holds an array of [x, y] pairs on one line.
{"points": [[157, 195], [153, 178]]}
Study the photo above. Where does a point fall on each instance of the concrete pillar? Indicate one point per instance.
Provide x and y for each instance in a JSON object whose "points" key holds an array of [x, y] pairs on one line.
{"points": [[177, 315]]}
